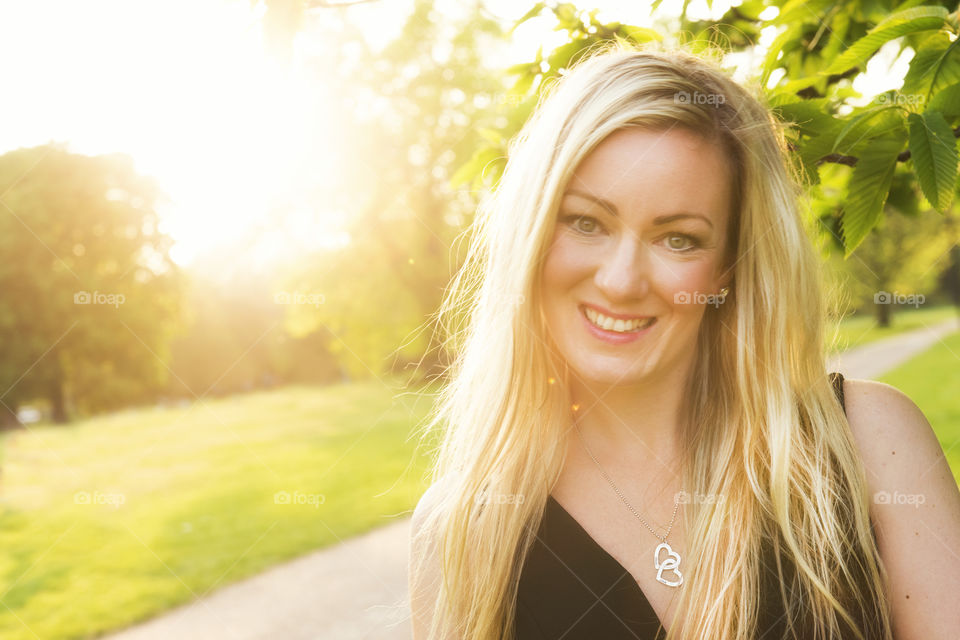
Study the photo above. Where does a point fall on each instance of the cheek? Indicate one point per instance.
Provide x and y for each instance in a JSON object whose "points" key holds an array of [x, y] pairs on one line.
{"points": [[564, 266], [685, 277]]}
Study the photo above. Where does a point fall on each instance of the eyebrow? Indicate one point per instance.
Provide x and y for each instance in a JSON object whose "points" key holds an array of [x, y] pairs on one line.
{"points": [[609, 206]]}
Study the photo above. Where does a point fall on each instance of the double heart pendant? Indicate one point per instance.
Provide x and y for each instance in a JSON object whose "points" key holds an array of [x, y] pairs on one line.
{"points": [[671, 563]]}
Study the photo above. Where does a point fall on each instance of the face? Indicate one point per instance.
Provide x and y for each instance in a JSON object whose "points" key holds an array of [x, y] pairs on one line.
{"points": [[640, 234]]}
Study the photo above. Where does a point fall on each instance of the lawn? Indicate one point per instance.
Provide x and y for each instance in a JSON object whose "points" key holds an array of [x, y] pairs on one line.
{"points": [[117, 518], [857, 330], [932, 379]]}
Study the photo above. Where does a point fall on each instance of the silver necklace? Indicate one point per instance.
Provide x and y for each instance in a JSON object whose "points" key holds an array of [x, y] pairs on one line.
{"points": [[672, 560]]}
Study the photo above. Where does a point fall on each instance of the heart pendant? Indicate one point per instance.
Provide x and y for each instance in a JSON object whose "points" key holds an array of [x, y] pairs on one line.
{"points": [[671, 563]]}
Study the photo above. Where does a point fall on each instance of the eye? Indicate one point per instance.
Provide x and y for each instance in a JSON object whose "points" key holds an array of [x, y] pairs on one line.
{"points": [[687, 242], [591, 223]]}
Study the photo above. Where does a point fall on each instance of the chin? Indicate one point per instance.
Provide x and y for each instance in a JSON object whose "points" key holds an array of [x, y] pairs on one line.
{"points": [[610, 371]]}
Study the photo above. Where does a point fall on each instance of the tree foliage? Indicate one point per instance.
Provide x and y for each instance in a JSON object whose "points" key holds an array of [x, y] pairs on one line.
{"points": [[410, 112], [820, 49], [88, 294]]}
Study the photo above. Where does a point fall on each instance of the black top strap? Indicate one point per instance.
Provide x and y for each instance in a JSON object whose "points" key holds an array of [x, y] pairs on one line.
{"points": [[836, 378]]}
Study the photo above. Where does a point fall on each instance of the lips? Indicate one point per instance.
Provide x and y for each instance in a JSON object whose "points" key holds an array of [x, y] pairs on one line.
{"points": [[612, 336], [614, 315], [619, 326]]}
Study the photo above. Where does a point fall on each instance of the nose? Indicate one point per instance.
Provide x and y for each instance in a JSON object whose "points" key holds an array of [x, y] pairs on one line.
{"points": [[624, 273]]}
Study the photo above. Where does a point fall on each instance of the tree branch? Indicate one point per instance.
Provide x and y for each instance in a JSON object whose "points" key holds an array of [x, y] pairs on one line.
{"points": [[851, 161], [810, 93]]}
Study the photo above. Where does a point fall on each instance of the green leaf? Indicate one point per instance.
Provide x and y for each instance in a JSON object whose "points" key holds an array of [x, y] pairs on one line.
{"points": [[562, 55], [790, 34], [899, 24], [522, 85], [524, 67], [934, 153], [799, 11], [492, 136], [807, 115], [838, 36], [859, 120], [793, 86], [935, 66], [537, 8], [811, 150], [640, 34], [867, 190], [566, 16], [947, 101], [909, 4], [472, 170]]}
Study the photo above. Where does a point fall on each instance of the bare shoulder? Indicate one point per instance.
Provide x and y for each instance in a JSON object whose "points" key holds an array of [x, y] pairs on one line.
{"points": [[894, 436], [424, 572], [427, 503], [915, 507], [882, 417]]}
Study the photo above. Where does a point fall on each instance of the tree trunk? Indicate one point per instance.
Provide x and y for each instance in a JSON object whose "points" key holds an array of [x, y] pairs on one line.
{"points": [[55, 392], [951, 278], [883, 314]]}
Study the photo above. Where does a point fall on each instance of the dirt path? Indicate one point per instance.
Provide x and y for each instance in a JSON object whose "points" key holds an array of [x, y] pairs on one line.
{"points": [[358, 589]]}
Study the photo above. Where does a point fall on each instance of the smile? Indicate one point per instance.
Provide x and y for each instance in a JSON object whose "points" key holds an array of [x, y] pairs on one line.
{"points": [[606, 323]]}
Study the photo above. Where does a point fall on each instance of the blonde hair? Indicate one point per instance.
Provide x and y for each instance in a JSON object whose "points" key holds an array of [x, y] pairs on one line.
{"points": [[777, 447]]}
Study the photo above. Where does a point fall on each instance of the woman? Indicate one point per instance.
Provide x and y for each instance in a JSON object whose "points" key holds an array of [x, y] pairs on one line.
{"points": [[641, 440]]}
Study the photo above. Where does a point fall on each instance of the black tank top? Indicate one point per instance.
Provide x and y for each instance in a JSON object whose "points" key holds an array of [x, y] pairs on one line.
{"points": [[571, 589]]}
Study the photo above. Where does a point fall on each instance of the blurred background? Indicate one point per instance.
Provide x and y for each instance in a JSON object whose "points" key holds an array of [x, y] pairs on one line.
{"points": [[224, 227]]}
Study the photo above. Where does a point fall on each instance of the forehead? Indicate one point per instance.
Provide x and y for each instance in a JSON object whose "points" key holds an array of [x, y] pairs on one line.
{"points": [[653, 172]]}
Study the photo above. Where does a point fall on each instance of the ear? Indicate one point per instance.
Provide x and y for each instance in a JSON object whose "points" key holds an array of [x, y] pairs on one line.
{"points": [[725, 279]]}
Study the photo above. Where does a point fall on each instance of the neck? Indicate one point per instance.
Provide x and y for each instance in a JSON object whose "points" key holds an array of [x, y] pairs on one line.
{"points": [[633, 425]]}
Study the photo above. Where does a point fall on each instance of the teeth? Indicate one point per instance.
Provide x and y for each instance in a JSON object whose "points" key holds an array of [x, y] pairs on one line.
{"points": [[621, 326]]}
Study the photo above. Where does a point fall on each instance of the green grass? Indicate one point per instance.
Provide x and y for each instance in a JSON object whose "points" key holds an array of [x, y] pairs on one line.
{"points": [[932, 379], [860, 329], [183, 500], [198, 487]]}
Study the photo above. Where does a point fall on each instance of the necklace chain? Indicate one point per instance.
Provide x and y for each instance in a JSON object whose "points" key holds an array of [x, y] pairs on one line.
{"points": [[672, 561], [676, 503]]}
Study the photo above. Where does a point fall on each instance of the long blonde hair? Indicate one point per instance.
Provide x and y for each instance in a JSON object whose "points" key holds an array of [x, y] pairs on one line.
{"points": [[777, 445]]}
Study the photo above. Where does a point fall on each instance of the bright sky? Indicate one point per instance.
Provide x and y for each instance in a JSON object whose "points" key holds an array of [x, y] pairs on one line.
{"points": [[184, 87]]}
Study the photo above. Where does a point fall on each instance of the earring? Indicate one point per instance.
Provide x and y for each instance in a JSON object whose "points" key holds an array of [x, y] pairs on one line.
{"points": [[723, 293]]}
